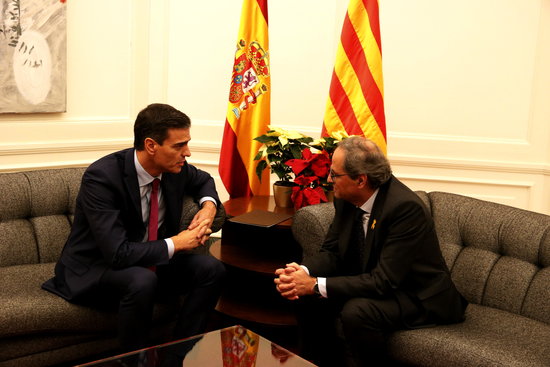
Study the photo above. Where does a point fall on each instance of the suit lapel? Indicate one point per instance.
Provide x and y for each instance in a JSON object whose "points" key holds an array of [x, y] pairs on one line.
{"points": [[374, 224], [132, 185]]}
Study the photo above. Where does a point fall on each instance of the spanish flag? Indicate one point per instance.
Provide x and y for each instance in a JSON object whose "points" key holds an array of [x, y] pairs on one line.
{"points": [[356, 95], [248, 112]]}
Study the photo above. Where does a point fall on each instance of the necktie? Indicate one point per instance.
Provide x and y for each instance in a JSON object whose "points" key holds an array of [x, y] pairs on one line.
{"points": [[154, 214], [154, 210], [356, 249]]}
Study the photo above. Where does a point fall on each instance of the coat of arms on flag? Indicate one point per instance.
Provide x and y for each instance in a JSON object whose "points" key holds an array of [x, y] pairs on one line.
{"points": [[250, 70]]}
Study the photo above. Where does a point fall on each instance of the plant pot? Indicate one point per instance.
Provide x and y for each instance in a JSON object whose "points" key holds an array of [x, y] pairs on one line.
{"points": [[281, 194]]}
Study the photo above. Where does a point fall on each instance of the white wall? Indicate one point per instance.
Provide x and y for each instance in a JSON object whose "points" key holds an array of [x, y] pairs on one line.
{"points": [[466, 86]]}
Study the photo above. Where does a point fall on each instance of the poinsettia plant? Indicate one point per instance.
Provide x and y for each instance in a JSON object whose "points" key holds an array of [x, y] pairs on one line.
{"points": [[279, 146], [291, 154], [311, 180]]}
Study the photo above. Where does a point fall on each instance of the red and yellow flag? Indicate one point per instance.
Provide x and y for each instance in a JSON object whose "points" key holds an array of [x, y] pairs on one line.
{"points": [[248, 112], [356, 96]]}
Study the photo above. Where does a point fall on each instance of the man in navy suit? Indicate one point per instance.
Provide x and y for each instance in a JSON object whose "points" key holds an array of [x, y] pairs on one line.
{"points": [[379, 269], [109, 256]]}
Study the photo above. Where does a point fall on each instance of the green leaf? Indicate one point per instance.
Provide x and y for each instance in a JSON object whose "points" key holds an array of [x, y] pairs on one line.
{"points": [[273, 149], [266, 139], [260, 168], [296, 152]]}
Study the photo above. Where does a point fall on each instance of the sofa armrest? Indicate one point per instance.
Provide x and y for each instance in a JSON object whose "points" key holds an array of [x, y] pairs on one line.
{"points": [[310, 226], [191, 207]]}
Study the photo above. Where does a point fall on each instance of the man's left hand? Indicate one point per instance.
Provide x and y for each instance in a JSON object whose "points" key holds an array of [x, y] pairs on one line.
{"points": [[207, 212]]}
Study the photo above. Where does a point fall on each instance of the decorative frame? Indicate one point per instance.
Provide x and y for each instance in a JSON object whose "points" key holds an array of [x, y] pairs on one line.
{"points": [[33, 56]]}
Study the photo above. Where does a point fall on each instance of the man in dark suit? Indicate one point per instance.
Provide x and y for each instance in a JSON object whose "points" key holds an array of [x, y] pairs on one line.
{"points": [[115, 255], [363, 287]]}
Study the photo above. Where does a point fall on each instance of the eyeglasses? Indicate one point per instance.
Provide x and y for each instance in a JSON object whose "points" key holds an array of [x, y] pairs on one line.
{"points": [[333, 175]]}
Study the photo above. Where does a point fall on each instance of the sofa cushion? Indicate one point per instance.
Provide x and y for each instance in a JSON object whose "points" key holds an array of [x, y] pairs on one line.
{"points": [[490, 226], [536, 304], [12, 348], [17, 242], [499, 253], [471, 270], [488, 337], [15, 193], [36, 213], [310, 225], [25, 308], [51, 232]]}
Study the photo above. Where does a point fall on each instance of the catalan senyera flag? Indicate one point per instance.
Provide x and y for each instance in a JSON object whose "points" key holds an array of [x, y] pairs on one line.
{"points": [[248, 111], [356, 96]]}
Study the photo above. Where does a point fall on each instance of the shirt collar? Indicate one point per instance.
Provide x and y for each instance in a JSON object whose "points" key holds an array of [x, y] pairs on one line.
{"points": [[144, 178], [367, 205]]}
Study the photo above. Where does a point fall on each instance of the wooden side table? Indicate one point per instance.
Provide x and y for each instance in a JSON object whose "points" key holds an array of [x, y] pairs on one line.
{"points": [[251, 255]]}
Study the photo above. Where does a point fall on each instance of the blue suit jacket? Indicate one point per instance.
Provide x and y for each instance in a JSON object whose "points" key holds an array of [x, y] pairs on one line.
{"points": [[108, 226]]}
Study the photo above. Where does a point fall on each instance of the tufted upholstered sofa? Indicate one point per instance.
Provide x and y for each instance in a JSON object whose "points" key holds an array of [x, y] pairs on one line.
{"points": [[499, 258], [38, 328]]}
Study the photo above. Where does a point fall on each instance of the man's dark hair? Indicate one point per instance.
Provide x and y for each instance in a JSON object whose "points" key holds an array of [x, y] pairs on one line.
{"points": [[155, 120], [363, 156]]}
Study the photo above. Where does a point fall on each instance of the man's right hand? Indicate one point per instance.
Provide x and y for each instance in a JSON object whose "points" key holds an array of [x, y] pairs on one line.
{"points": [[293, 281], [191, 238], [284, 283]]}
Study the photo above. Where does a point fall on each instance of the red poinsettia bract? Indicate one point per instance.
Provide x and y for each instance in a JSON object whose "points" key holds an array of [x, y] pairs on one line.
{"points": [[304, 194], [319, 164], [309, 171]]}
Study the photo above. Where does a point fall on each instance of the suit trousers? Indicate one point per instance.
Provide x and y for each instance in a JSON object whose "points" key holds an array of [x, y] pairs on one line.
{"points": [[348, 332], [136, 289]]}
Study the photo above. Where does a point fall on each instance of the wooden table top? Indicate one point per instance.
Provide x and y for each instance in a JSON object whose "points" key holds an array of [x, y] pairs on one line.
{"points": [[238, 206]]}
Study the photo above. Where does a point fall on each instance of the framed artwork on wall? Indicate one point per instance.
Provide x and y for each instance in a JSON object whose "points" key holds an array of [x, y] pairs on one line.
{"points": [[33, 56]]}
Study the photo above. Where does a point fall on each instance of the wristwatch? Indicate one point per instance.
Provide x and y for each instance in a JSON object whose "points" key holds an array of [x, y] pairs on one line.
{"points": [[316, 289]]}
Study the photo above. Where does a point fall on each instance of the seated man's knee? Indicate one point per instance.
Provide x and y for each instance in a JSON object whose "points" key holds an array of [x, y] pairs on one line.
{"points": [[143, 282], [359, 313], [211, 269]]}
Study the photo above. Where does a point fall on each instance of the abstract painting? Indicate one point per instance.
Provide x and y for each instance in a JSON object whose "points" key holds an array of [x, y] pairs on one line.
{"points": [[33, 56]]}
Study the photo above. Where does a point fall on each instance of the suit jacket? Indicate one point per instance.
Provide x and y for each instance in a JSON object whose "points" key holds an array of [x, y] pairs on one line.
{"points": [[405, 259], [108, 227]]}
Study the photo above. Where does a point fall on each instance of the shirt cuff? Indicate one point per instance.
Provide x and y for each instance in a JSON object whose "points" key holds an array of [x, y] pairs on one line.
{"points": [[170, 247], [321, 283], [208, 198]]}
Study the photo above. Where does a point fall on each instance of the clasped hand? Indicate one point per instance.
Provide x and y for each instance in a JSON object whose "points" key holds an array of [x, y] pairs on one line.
{"points": [[293, 281], [207, 212], [192, 237], [199, 230]]}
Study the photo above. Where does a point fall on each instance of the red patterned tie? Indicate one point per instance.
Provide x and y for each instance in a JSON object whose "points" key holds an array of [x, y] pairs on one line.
{"points": [[154, 213]]}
